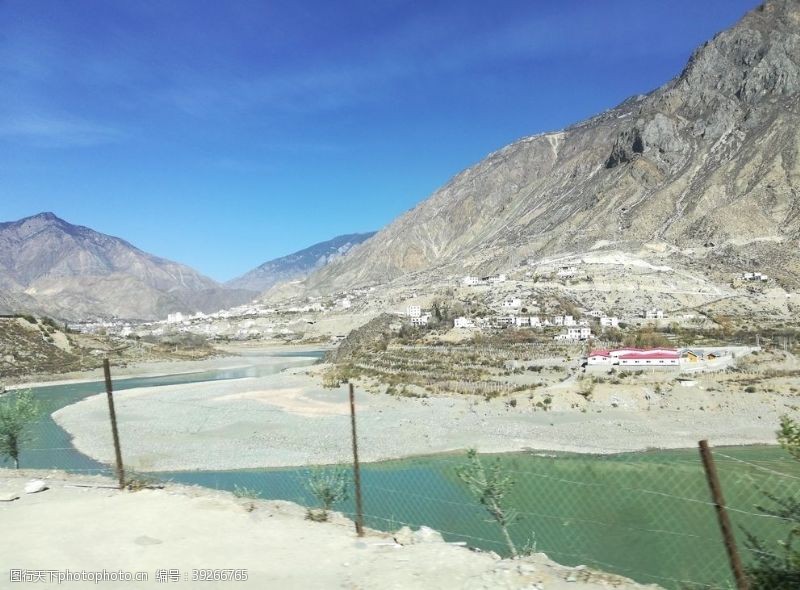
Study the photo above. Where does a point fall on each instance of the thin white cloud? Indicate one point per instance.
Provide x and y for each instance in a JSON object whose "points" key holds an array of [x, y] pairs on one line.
{"points": [[52, 131]]}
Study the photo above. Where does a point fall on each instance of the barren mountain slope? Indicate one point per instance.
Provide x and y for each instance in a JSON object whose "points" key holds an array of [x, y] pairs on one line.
{"points": [[299, 264], [74, 272], [709, 158]]}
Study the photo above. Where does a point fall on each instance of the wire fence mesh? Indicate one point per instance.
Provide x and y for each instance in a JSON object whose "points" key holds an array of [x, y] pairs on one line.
{"points": [[647, 516]]}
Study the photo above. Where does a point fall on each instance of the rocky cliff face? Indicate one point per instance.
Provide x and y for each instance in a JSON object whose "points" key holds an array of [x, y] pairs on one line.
{"points": [[709, 158], [299, 264], [48, 265]]}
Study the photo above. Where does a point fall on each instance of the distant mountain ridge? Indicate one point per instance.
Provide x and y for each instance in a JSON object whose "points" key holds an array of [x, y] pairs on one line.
{"points": [[299, 264], [51, 266], [710, 158]]}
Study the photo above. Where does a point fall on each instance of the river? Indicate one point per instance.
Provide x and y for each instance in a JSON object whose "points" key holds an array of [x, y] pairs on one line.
{"points": [[643, 515]]}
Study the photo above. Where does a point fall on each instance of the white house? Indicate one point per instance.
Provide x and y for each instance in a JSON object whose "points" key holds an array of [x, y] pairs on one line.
{"points": [[469, 281], [595, 313], [413, 311], [522, 321], [536, 322], [635, 357], [575, 334], [612, 322], [754, 276], [512, 303], [421, 320], [654, 314], [345, 303], [494, 280], [505, 320], [175, 318], [600, 357], [463, 322], [567, 272], [579, 333], [650, 358]]}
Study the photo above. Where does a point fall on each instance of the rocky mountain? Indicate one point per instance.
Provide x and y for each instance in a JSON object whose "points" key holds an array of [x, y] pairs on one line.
{"points": [[50, 266], [299, 264], [709, 160]]}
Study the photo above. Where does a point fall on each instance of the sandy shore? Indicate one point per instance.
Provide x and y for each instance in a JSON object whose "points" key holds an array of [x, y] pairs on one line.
{"points": [[96, 528], [288, 419]]}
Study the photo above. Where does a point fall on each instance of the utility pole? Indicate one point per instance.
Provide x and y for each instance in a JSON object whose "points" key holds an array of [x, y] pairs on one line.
{"points": [[114, 431], [725, 526]]}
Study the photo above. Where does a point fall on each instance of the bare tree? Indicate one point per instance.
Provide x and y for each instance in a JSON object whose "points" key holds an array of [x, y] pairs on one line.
{"points": [[491, 486]]}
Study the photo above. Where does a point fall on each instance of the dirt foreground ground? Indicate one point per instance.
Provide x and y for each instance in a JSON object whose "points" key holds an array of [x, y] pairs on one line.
{"points": [[83, 524]]}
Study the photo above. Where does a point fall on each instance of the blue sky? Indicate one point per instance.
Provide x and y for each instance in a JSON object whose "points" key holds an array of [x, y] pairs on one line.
{"points": [[223, 134]]}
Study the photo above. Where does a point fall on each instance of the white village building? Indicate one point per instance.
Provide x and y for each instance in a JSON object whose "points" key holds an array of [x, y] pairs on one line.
{"points": [[564, 320], [574, 334], [413, 311], [579, 333], [463, 322], [421, 320], [612, 322], [567, 272], [512, 303], [754, 276], [469, 281], [654, 314], [175, 318], [635, 357]]}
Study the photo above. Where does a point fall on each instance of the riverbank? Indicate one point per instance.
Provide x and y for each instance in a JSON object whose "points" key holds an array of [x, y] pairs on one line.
{"points": [[270, 540], [233, 356], [289, 419]]}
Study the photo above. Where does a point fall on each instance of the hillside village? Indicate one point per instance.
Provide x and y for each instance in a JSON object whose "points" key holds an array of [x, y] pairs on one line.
{"points": [[599, 312], [582, 299]]}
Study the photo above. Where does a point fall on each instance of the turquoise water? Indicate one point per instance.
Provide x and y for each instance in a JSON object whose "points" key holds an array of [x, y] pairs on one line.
{"points": [[643, 515]]}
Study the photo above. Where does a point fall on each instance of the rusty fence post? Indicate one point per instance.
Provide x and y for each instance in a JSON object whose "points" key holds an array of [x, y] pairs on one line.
{"points": [[356, 467], [114, 431], [722, 516]]}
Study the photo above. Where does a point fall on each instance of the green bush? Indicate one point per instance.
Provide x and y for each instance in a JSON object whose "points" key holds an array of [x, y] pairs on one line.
{"points": [[778, 566]]}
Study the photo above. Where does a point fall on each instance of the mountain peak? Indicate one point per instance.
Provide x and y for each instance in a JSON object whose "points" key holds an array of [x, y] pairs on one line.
{"points": [[709, 157], [756, 59], [298, 264], [45, 215], [75, 272]]}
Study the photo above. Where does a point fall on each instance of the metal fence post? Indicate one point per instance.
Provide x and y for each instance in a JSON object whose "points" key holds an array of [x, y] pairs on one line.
{"points": [[114, 431], [356, 467], [722, 516]]}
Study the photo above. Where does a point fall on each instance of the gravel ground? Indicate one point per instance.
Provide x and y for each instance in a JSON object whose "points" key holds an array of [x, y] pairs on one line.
{"points": [[288, 419]]}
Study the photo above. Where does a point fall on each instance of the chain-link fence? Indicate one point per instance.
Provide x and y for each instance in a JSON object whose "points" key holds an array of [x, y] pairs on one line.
{"points": [[648, 516]]}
